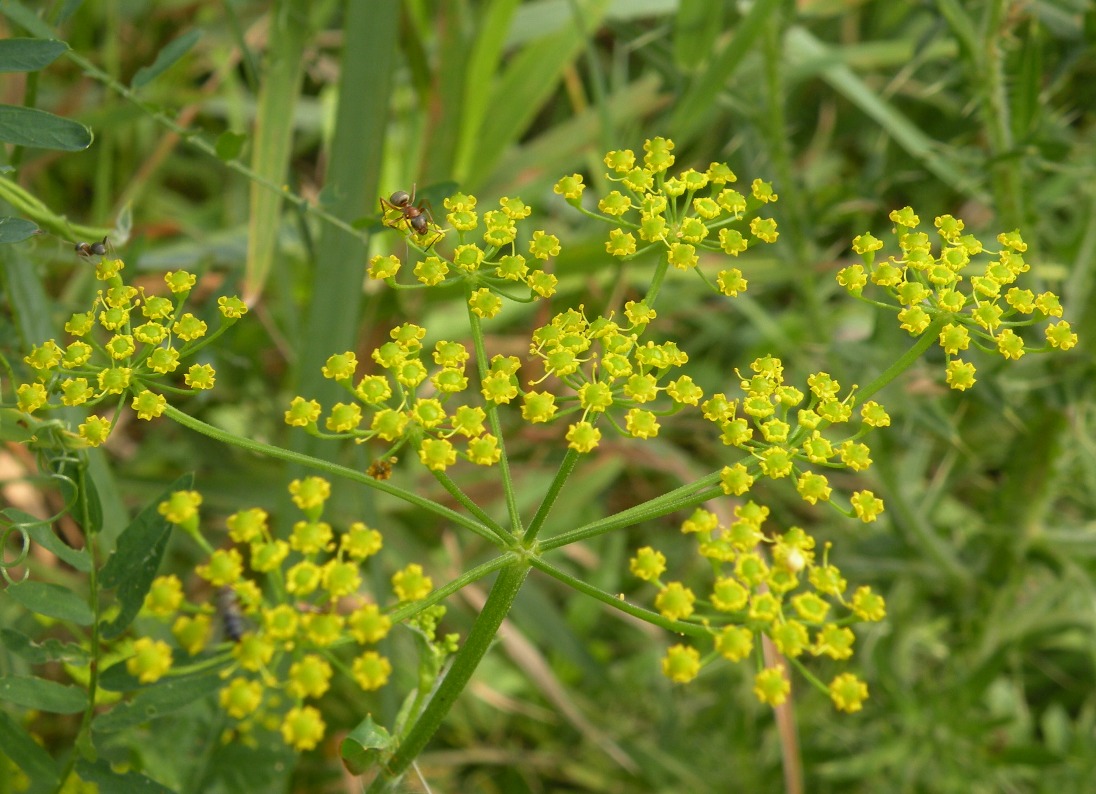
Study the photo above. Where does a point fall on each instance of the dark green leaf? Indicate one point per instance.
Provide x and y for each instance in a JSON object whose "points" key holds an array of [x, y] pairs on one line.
{"points": [[166, 59], [158, 700], [42, 534], [117, 678], [29, 55], [52, 601], [37, 693], [134, 563], [107, 779], [15, 230], [365, 746], [27, 754], [50, 650], [41, 130], [238, 768], [230, 144]]}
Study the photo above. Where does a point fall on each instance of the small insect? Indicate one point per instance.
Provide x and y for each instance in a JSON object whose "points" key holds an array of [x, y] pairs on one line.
{"points": [[381, 468], [417, 217], [92, 249], [232, 620]]}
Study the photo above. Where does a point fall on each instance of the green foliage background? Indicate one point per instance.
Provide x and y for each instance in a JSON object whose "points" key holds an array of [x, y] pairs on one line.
{"points": [[982, 679]]}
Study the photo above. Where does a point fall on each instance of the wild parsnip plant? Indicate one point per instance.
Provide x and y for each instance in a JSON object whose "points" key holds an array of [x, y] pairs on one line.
{"points": [[295, 612]]}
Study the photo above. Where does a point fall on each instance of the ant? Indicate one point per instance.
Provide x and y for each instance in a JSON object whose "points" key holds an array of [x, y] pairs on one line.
{"points": [[418, 218], [92, 249]]}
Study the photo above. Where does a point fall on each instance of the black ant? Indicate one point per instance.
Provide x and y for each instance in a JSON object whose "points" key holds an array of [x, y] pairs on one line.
{"points": [[418, 218], [92, 249]]}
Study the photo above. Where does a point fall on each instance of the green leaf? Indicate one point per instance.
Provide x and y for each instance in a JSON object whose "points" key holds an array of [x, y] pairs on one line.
{"points": [[166, 59], [41, 130], [695, 108], [51, 650], [29, 55], [37, 693], [26, 19], [158, 700], [15, 230], [533, 74], [696, 27], [102, 774], [134, 563], [52, 601], [230, 144], [27, 754], [42, 534], [365, 746]]}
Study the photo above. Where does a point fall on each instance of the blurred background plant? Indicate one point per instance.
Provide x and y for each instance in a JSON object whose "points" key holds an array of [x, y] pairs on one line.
{"points": [[252, 150]]}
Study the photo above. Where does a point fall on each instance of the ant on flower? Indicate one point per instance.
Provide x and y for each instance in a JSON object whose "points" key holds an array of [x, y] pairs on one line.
{"points": [[92, 249], [417, 218]]}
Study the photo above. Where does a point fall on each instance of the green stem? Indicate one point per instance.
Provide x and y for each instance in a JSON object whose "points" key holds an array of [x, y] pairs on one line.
{"points": [[497, 607], [907, 359], [616, 602], [566, 466], [474, 509], [462, 581], [686, 496], [324, 466], [1008, 187], [83, 745], [493, 420], [656, 282]]}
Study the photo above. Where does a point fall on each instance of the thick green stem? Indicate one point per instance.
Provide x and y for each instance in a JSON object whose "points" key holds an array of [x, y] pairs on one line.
{"points": [[497, 607]]}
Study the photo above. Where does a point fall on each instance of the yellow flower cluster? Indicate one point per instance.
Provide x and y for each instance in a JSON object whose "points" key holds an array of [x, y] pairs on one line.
{"points": [[128, 344], [764, 584], [318, 624], [487, 262], [786, 445], [964, 301], [386, 405], [680, 215]]}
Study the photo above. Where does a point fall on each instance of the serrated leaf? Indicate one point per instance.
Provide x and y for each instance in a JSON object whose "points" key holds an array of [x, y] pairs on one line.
{"points": [[365, 746], [50, 650], [52, 601], [27, 754], [135, 561], [29, 55], [166, 58], [37, 693], [41, 130], [15, 230], [102, 774], [158, 700]]}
